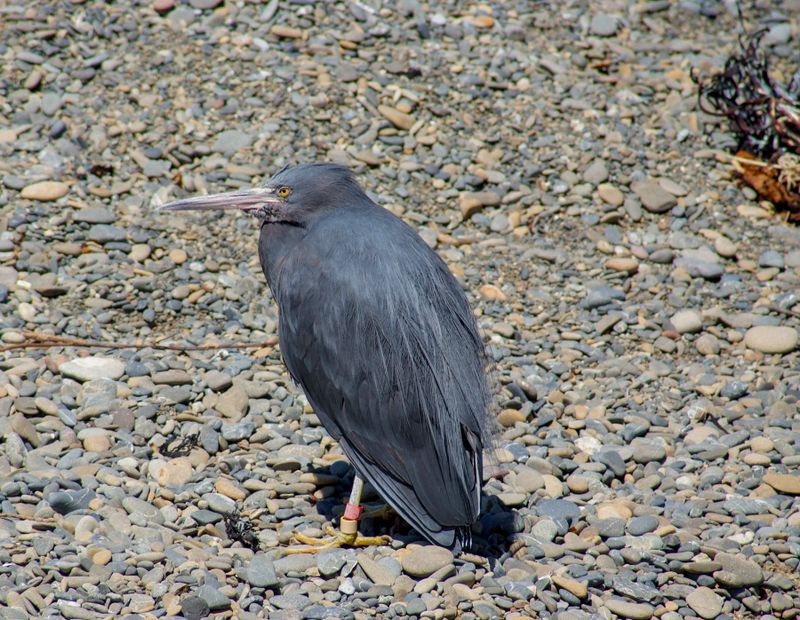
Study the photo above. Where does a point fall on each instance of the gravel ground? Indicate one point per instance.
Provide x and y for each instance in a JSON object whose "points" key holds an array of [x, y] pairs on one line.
{"points": [[641, 308]]}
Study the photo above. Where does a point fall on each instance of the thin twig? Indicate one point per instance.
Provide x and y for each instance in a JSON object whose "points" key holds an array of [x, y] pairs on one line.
{"points": [[780, 310], [46, 341]]}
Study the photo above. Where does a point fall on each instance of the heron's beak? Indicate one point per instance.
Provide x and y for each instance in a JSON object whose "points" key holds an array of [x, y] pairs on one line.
{"points": [[248, 200]]}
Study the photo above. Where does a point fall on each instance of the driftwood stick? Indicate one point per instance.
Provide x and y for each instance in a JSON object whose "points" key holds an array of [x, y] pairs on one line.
{"points": [[39, 340]]}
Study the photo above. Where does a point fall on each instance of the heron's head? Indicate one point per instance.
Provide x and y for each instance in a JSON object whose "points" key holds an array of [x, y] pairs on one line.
{"points": [[294, 196]]}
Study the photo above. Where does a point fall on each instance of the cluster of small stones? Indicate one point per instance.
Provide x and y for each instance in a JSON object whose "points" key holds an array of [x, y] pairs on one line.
{"points": [[640, 309]]}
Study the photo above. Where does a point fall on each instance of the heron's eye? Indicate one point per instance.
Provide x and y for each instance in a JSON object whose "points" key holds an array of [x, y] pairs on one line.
{"points": [[284, 191]]}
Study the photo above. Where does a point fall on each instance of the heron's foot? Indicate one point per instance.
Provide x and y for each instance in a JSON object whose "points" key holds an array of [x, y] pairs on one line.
{"points": [[342, 538]]}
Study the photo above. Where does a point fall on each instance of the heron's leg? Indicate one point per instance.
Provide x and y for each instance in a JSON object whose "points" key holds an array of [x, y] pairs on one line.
{"points": [[348, 528]]}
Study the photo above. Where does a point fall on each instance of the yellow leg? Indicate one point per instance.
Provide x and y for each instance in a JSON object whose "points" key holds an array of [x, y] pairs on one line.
{"points": [[347, 536]]}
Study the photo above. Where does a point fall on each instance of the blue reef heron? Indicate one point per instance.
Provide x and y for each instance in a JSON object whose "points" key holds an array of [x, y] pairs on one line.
{"points": [[381, 338]]}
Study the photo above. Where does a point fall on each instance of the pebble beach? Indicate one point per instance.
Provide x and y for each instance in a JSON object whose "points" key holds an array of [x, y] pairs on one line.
{"points": [[640, 308]]}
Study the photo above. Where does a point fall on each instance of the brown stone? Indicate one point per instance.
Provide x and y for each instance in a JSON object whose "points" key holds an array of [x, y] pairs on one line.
{"points": [[399, 119], [783, 483], [45, 191]]}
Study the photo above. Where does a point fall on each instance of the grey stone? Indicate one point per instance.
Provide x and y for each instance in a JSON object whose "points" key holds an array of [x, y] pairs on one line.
{"points": [[645, 524], [238, 431], [95, 215], [294, 563], [544, 530], [64, 502], [603, 25], [635, 590], [596, 173], [700, 268], [612, 460], [602, 296], [771, 258], [737, 572], [194, 608], [261, 572], [654, 198], [213, 597], [558, 509], [230, 141], [318, 612], [105, 233], [330, 563], [220, 503], [218, 381]]}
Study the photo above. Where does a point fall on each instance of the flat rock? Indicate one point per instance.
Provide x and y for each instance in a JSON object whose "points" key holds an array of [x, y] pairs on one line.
{"points": [[218, 381], [654, 197], [286, 32], [601, 296], [261, 572], [92, 367], [173, 376], [233, 403], [104, 233], [788, 484], [64, 502], [194, 608], [299, 563], [421, 561], [705, 602], [627, 609], [95, 215], [603, 25], [377, 573], [626, 264], [771, 338], [230, 141], [578, 588], [213, 597], [528, 480], [700, 267], [597, 172], [174, 472], [558, 509], [737, 572]]}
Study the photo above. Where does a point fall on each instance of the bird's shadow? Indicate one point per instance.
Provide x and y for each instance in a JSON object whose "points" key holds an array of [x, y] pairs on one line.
{"points": [[492, 533]]}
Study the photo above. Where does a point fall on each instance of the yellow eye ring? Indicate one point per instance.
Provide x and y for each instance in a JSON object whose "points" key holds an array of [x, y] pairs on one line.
{"points": [[283, 192]]}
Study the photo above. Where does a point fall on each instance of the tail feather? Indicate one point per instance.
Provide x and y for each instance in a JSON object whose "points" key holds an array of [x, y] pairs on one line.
{"points": [[404, 501]]}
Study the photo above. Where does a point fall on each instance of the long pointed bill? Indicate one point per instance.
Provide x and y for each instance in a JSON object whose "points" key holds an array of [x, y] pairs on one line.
{"points": [[247, 200]]}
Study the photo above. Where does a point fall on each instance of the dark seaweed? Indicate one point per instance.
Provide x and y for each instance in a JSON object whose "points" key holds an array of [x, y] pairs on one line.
{"points": [[241, 529], [764, 114]]}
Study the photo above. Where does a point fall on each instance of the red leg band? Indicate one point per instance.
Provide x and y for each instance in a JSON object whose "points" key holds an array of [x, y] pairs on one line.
{"points": [[353, 512]]}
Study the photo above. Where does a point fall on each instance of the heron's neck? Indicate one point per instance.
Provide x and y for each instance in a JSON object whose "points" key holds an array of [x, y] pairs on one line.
{"points": [[274, 243]]}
